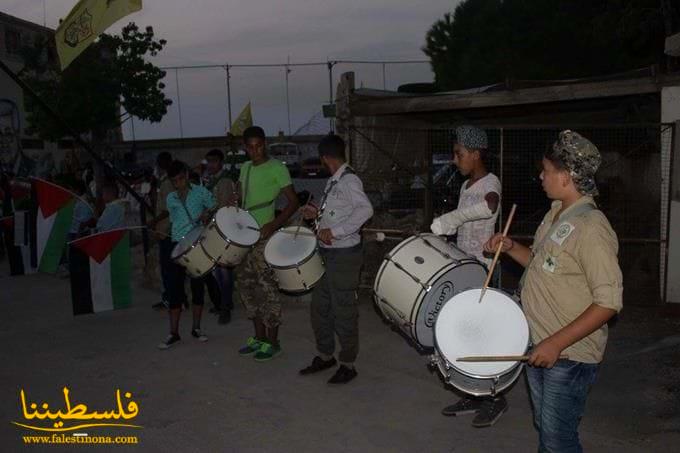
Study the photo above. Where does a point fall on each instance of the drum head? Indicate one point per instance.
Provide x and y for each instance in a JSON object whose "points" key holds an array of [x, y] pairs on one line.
{"points": [[285, 249], [466, 327], [234, 223], [458, 278], [186, 242]]}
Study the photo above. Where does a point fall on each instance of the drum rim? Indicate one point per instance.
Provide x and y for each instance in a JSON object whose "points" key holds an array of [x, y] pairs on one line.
{"points": [[447, 377], [292, 291], [294, 265], [191, 247], [475, 376], [231, 241]]}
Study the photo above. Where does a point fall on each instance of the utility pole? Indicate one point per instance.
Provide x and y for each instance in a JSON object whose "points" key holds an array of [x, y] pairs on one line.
{"points": [[287, 95], [226, 68]]}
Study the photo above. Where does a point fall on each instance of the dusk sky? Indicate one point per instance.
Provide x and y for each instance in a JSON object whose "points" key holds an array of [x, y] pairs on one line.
{"points": [[266, 31]]}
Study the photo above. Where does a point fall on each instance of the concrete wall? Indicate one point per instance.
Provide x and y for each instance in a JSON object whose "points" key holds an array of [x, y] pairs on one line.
{"points": [[670, 113]]}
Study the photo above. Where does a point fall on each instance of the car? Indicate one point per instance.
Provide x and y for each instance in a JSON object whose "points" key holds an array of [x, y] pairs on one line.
{"points": [[288, 154], [313, 168]]}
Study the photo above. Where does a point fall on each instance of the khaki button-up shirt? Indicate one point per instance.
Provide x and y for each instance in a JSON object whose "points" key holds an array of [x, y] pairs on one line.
{"points": [[575, 267]]}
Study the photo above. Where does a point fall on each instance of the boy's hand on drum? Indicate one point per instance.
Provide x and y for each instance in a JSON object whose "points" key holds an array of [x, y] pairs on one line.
{"points": [[326, 236], [309, 212], [267, 230], [492, 244], [544, 355]]}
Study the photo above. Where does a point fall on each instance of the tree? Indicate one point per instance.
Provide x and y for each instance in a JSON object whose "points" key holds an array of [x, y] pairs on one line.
{"points": [[486, 41], [110, 74]]}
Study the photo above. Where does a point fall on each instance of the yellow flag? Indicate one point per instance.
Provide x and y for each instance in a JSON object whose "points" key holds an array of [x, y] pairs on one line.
{"points": [[87, 20], [243, 122]]}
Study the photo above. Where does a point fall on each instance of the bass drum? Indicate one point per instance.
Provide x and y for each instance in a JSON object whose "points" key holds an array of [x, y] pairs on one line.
{"points": [[417, 277]]}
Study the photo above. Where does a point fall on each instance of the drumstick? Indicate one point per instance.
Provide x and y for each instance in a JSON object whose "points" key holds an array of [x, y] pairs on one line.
{"points": [[297, 230], [499, 358], [498, 252], [303, 233]]}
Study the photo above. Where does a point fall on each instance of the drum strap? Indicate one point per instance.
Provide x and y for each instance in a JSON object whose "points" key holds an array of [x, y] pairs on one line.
{"points": [[348, 171], [245, 189], [192, 221], [245, 194], [576, 212]]}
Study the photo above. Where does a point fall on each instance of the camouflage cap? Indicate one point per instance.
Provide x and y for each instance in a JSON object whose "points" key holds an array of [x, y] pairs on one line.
{"points": [[472, 137], [580, 157]]}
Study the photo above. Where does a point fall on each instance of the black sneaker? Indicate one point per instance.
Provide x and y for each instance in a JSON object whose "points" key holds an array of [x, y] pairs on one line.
{"points": [[318, 364], [490, 412], [225, 317], [466, 405], [199, 335], [343, 375], [169, 342]]}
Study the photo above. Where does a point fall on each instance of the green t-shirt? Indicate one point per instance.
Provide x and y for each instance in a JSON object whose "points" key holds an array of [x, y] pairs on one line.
{"points": [[265, 182]]}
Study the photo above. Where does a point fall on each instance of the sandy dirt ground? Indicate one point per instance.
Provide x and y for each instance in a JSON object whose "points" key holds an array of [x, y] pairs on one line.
{"points": [[203, 397]]}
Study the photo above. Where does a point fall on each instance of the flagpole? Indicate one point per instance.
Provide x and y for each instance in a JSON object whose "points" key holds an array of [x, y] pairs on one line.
{"points": [[226, 68], [287, 97], [179, 105]]}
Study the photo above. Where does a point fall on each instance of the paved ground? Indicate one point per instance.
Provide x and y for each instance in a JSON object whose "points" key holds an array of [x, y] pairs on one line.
{"points": [[204, 397]]}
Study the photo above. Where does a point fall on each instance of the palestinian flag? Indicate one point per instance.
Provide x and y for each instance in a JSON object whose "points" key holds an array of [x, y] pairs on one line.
{"points": [[101, 272], [53, 219]]}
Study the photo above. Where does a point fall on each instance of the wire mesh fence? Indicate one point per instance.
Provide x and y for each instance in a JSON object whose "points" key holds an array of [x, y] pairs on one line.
{"points": [[410, 178]]}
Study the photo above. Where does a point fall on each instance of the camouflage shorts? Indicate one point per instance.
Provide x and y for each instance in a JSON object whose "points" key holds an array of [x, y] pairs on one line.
{"points": [[257, 288]]}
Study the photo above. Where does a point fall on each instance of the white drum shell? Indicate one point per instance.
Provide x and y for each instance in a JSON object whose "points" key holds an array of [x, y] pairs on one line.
{"points": [[443, 271], [295, 277], [190, 253], [226, 250]]}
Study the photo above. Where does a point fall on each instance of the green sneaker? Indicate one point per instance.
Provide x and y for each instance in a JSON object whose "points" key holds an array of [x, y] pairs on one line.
{"points": [[267, 352], [252, 346]]}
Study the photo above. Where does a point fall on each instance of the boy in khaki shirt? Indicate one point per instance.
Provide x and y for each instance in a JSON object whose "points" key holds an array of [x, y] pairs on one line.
{"points": [[571, 287]]}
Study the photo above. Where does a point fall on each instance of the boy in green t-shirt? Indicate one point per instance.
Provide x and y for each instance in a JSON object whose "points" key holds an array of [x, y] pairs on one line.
{"points": [[261, 181]]}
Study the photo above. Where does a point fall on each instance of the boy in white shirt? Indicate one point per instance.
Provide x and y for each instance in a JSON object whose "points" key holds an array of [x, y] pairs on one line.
{"points": [[475, 222]]}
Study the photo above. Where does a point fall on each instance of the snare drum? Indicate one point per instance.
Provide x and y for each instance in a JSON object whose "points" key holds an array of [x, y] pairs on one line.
{"points": [[296, 260], [230, 235], [190, 253], [417, 277], [467, 327]]}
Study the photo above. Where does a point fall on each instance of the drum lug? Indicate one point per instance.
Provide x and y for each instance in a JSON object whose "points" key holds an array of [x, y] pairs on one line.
{"points": [[413, 277], [493, 386], [395, 310], [444, 254]]}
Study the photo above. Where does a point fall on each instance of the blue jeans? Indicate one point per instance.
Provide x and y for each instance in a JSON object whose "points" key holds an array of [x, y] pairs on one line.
{"points": [[225, 281], [558, 396], [165, 247]]}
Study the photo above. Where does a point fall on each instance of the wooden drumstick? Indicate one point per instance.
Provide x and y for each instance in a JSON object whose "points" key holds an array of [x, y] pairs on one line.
{"points": [[499, 358], [297, 230], [498, 252]]}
